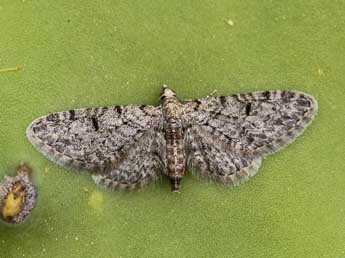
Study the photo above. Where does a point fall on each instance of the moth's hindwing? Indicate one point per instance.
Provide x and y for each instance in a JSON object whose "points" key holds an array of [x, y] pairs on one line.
{"points": [[229, 136], [118, 143]]}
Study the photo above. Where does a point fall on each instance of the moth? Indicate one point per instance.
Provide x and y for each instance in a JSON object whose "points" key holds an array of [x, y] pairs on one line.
{"points": [[222, 138], [17, 196]]}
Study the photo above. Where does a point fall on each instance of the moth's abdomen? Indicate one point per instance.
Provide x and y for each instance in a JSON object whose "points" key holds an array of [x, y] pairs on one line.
{"points": [[175, 152]]}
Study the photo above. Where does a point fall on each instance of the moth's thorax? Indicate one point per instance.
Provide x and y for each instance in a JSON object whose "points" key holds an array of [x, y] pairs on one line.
{"points": [[170, 104], [174, 136]]}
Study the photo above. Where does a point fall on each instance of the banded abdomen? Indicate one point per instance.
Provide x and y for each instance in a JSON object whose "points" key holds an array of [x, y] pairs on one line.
{"points": [[174, 137], [175, 153]]}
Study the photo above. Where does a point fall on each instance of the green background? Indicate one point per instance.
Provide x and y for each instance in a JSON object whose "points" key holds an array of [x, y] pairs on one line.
{"points": [[95, 53]]}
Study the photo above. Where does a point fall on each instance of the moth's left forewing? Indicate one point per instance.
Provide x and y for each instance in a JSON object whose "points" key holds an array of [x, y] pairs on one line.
{"points": [[120, 145]]}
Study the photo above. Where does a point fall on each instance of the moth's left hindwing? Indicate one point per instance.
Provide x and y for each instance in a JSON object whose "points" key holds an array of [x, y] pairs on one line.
{"points": [[118, 143], [229, 136]]}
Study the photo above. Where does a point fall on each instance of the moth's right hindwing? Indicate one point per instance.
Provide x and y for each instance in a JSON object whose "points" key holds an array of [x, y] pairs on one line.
{"points": [[234, 133], [212, 158]]}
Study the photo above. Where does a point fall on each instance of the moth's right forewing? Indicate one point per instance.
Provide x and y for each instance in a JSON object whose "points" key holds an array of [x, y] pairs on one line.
{"points": [[243, 128]]}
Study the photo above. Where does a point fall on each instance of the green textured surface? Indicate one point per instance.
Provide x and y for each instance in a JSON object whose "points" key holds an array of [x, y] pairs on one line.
{"points": [[91, 53]]}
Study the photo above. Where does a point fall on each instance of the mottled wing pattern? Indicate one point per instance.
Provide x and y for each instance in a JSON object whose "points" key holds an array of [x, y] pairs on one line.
{"points": [[121, 144], [227, 137], [211, 158], [142, 163]]}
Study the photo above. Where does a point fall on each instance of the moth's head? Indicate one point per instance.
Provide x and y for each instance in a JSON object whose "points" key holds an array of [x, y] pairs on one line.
{"points": [[167, 93]]}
